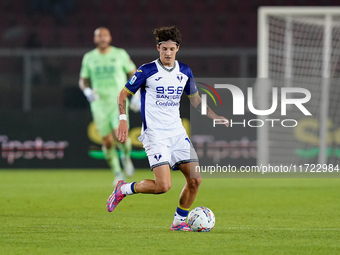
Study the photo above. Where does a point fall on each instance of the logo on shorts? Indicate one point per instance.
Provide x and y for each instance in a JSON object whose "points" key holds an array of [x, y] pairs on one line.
{"points": [[158, 158]]}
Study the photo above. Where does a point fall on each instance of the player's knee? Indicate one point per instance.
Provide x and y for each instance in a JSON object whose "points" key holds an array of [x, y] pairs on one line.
{"points": [[163, 188], [194, 183], [107, 144]]}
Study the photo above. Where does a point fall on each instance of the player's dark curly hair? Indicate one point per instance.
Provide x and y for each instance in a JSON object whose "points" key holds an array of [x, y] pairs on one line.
{"points": [[167, 33]]}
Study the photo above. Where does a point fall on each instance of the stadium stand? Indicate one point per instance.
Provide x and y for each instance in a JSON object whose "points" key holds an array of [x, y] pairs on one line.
{"points": [[203, 23]]}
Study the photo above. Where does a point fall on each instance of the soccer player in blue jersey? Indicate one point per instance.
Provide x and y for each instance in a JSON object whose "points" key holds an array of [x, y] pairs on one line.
{"points": [[164, 138]]}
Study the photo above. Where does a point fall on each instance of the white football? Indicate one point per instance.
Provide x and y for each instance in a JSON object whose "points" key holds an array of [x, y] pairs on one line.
{"points": [[201, 219]]}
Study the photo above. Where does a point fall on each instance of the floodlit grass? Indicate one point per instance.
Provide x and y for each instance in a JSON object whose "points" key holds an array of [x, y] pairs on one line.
{"points": [[64, 212]]}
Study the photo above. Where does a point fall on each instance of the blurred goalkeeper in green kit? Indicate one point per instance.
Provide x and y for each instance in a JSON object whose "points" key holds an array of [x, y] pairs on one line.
{"points": [[103, 74]]}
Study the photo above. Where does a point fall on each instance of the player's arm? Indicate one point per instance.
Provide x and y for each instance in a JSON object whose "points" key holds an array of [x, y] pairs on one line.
{"points": [[85, 86], [135, 99], [196, 101], [123, 131], [84, 81], [130, 88]]}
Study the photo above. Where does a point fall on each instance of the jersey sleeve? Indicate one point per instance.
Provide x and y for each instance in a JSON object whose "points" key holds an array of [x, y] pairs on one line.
{"points": [[85, 70], [128, 65], [190, 87], [136, 81]]}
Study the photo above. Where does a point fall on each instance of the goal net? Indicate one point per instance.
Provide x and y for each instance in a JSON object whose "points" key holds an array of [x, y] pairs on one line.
{"points": [[300, 47]]}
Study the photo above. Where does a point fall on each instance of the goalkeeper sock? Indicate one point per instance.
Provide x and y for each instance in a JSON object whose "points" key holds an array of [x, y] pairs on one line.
{"points": [[180, 215], [129, 188], [112, 159]]}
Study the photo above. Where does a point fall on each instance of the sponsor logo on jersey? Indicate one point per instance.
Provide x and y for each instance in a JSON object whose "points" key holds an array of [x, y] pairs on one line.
{"points": [[139, 71], [132, 80], [168, 103], [180, 78], [158, 78], [169, 96]]}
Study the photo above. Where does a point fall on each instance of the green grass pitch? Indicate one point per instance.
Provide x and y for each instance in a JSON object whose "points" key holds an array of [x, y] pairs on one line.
{"points": [[64, 212]]}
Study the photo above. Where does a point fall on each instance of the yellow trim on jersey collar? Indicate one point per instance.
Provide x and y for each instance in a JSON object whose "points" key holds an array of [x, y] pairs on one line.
{"points": [[166, 69]]}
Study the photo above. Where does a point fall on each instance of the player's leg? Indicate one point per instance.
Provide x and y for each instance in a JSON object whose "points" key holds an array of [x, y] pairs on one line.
{"points": [[187, 195], [184, 158], [112, 157], [161, 184], [190, 189], [158, 157]]}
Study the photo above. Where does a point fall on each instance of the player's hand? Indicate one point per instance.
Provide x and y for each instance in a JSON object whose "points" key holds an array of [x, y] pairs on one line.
{"points": [[223, 120], [135, 103], [123, 131], [91, 94]]}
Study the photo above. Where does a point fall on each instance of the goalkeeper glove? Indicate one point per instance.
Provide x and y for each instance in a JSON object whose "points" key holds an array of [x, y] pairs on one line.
{"points": [[90, 94]]}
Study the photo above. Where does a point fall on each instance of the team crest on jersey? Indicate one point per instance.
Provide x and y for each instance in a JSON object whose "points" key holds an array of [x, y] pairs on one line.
{"points": [[159, 157], [180, 78], [133, 79]]}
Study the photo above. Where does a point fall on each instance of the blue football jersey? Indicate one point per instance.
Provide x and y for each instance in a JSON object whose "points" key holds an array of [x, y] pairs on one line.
{"points": [[161, 89]]}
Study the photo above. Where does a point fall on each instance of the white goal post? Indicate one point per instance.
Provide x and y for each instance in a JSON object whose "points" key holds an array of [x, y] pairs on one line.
{"points": [[300, 47]]}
